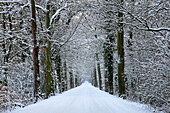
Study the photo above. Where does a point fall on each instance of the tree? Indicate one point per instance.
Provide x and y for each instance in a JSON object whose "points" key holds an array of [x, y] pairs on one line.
{"points": [[95, 77], [35, 52], [108, 45], [49, 79], [120, 47], [99, 72]]}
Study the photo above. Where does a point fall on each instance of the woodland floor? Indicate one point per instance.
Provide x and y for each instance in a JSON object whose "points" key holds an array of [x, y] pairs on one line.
{"points": [[84, 99]]}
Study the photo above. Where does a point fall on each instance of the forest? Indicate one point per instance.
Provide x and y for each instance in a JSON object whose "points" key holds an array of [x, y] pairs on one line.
{"points": [[50, 46]]}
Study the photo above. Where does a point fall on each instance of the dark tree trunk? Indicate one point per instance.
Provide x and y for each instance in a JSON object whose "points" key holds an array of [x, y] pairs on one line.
{"points": [[76, 80], [120, 47], [65, 76], [49, 79], [35, 52], [58, 63], [99, 72], [95, 78], [108, 60], [110, 64], [71, 80]]}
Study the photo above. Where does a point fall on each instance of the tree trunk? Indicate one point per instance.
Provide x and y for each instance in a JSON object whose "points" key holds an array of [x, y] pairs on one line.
{"points": [[65, 76], [120, 47], [35, 52], [95, 78], [99, 72], [71, 80], [58, 63], [106, 67], [49, 79], [108, 60], [106, 81], [76, 80]]}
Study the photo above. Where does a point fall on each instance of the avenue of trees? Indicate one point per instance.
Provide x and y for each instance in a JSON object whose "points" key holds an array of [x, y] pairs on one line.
{"points": [[50, 46]]}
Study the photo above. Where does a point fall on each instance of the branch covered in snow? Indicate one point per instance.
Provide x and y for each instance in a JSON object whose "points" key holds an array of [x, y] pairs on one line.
{"points": [[155, 29], [56, 13], [9, 2], [73, 31], [42, 8]]}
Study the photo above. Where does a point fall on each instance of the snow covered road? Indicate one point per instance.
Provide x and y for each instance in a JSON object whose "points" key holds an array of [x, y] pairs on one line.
{"points": [[84, 99]]}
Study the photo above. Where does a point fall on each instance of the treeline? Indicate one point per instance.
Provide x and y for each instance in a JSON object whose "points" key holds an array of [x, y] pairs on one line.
{"points": [[48, 47], [135, 50], [33, 42]]}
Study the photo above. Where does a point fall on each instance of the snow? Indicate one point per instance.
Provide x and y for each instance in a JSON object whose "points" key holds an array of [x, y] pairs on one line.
{"points": [[56, 13], [42, 8], [84, 99]]}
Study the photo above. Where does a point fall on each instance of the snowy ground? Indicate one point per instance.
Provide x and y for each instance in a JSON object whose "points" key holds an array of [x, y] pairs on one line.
{"points": [[84, 99]]}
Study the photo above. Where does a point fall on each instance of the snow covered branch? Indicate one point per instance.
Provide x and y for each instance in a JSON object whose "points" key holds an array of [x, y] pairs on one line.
{"points": [[56, 13], [73, 31], [143, 21], [42, 8], [155, 29], [4, 2]]}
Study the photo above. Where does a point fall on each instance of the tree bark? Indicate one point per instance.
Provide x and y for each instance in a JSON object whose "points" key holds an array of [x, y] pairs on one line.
{"points": [[49, 79], [35, 52], [120, 47], [99, 72], [65, 76], [76, 80], [58, 62], [95, 78], [108, 60], [71, 80]]}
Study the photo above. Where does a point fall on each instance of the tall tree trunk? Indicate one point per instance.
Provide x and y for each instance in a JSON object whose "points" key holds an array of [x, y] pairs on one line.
{"points": [[108, 60], [35, 52], [49, 79], [106, 67], [62, 79], [76, 80], [95, 78], [120, 47], [65, 76], [71, 80], [106, 81], [58, 64], [99, 72], [110, 63]]}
